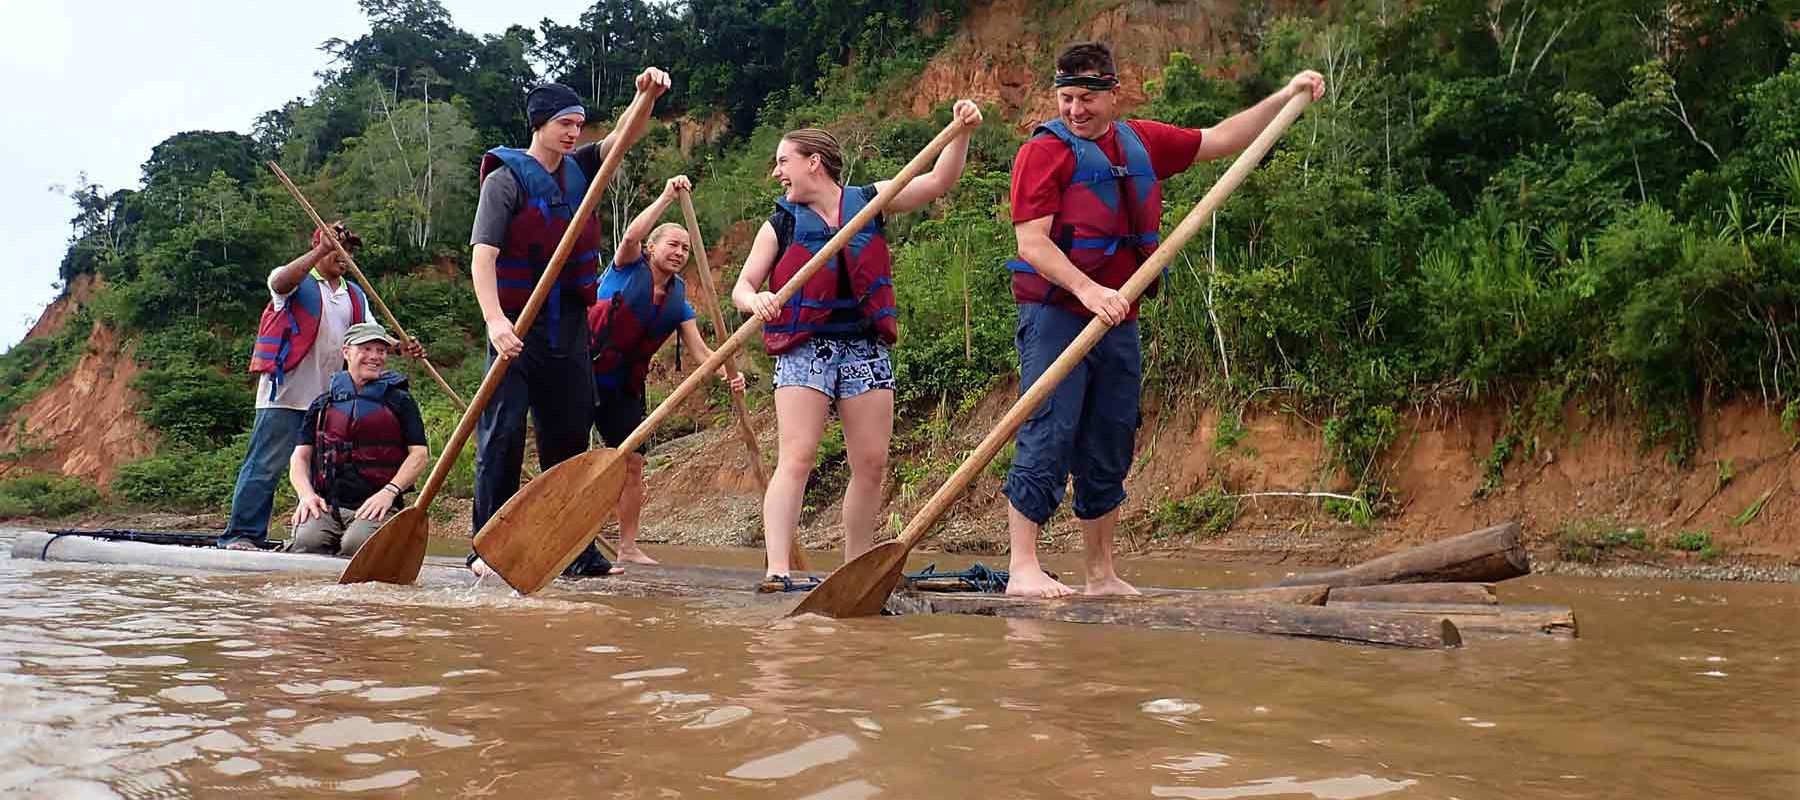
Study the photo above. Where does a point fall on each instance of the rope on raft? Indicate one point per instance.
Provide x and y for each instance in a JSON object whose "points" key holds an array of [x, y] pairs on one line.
{"points": [[978, 577]]}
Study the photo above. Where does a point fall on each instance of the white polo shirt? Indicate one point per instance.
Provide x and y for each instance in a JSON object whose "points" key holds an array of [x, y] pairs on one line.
{"points": [[312, 376]]}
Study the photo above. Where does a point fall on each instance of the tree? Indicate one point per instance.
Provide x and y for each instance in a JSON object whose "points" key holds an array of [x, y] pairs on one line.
{"points": [[496, 92], [181, 164], [411, 172], [103, 224], [213, 262]]}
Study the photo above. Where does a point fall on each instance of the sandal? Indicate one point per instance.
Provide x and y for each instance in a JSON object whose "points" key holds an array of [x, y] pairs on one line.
{"points": [[771, 584]]}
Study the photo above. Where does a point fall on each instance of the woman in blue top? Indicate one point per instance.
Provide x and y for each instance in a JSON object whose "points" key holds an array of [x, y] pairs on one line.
{"points": [[642, 302]]}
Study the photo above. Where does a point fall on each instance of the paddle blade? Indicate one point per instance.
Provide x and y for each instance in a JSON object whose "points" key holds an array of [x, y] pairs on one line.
{"points": [[395, 553], [859, 588], [548, 522]]}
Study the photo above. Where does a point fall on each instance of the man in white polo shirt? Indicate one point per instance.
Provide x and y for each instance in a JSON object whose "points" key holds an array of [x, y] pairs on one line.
{"points": [[299, 346]]}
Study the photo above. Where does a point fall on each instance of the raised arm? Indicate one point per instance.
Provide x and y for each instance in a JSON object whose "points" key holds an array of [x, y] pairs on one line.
{"points": [[651, 83], [1237, 131], [287, 277], [631, 243], [748, 295], [945, 172]]}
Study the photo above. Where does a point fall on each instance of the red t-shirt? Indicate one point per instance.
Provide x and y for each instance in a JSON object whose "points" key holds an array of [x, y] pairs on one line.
{"points": [[1044, 166]]}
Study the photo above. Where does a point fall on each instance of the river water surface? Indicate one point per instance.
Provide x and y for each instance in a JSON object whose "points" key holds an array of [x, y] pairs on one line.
{"points": [[140, 683]]}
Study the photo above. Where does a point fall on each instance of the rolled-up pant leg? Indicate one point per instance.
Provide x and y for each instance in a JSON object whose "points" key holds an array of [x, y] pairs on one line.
{"points": [[1045, 443], [1107, 433]]}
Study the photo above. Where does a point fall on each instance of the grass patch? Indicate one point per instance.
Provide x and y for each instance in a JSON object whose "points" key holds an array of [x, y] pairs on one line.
{"points": [[1698, 542], [1493, 468], [1209, 513], [1591, 541]]}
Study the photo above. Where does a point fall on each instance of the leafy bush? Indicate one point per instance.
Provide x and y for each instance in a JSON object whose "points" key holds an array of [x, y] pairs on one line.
{"points": [[40, 495], [194, 406], [181, 478]]}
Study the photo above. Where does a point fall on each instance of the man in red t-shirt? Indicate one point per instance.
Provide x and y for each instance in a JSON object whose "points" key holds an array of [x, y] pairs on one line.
{"points": [[1086, 203]]}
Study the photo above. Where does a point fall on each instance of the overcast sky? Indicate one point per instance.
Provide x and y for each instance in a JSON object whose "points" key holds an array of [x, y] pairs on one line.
{"points": [[92, 86]]}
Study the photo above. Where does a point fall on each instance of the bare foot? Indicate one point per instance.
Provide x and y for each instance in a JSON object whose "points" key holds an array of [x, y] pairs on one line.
{"points": [[634, 556], [241, 544], [1110, 585], [480, 568], [1034, 583]]}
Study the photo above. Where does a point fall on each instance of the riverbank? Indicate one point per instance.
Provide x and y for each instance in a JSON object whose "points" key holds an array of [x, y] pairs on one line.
{"points": [[1270, 551]]}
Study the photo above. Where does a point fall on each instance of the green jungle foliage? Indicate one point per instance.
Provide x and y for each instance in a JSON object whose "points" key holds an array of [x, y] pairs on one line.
{"points": [[1494, 197], [38, 495]]}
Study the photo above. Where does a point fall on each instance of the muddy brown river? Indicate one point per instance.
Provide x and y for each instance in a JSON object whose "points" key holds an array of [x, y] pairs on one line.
{"points": [[141, 683]]}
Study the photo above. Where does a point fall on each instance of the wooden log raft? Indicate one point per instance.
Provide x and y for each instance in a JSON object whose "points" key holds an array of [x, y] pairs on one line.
{"points": [[1485, 621], [1313, 595], [1486, 555], [1481, 594], [1205, 612]]}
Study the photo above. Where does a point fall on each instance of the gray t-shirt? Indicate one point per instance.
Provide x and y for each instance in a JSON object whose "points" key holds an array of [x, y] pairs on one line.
{"points": [[501, 196]]}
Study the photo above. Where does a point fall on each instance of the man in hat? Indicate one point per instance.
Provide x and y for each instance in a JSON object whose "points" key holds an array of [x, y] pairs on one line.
{"points": [[1086, 209], [360, 446], [528, 199], [298, 348]]}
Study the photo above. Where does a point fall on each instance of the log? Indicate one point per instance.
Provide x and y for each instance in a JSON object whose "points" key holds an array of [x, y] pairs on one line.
{"points": [[1470, 593], [1195, 612], [1487, 555], [1309, 595], [1485, 621], [683, 579]]}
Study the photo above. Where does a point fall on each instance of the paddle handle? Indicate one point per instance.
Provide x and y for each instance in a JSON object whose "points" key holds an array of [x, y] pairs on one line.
{"points": [[753, 325], [368, 288], [977, 461], [615, 155], [710, 300]]}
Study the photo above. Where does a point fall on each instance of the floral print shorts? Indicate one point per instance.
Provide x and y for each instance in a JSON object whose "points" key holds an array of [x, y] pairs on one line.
{"points": [[837, 368]]}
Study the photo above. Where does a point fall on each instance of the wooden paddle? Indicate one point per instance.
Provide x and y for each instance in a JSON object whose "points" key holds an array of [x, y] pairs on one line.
{"points": [[397, 550], [861, 587], [528, 542], [707, 298], [368, 288]]}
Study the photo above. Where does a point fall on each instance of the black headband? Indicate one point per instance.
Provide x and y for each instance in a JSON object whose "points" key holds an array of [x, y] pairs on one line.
{"points": [[1098, 83]]}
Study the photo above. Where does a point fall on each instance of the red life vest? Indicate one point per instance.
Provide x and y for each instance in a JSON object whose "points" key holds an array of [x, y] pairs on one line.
{"points": [[867, 259], [285, 336], [1104, 207], [627, 328], [537, 228], [357, 432]]}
